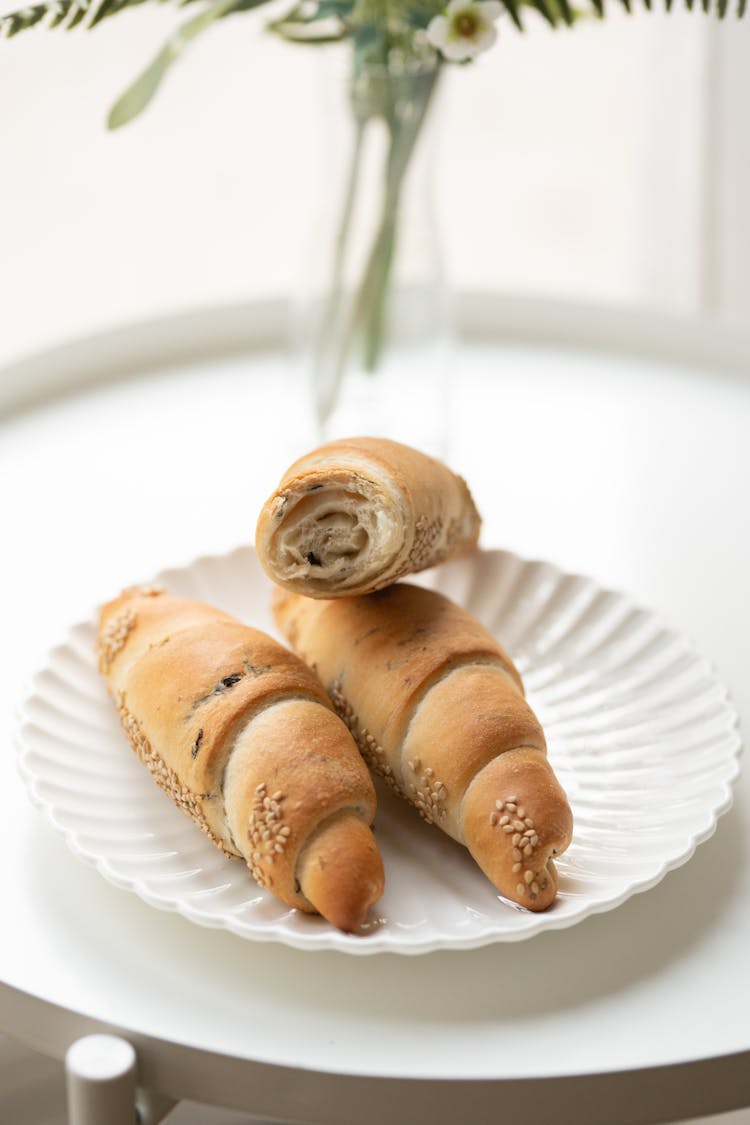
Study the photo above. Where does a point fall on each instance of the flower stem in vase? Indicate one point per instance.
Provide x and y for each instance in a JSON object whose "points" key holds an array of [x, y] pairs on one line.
{"points": [[356, 326]]}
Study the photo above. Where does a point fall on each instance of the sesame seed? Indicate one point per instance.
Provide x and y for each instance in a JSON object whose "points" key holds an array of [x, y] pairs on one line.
{"points": [[521, 811], [516, 868], [528, 850], [518, 825], [520, 888], [499, 805], [507, 829], [278, 795], [505, 820], [516, 853], [516, 839], [528, 876], [535, 888], [529, 822], [493, 819]]}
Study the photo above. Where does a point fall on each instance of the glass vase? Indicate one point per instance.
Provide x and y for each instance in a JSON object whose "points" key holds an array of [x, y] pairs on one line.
{"points": [[373, 325]]}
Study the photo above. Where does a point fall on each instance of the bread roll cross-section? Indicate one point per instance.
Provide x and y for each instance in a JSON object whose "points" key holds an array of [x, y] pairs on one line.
{"points": [[438, 711], [357, 514], [242, 736]]}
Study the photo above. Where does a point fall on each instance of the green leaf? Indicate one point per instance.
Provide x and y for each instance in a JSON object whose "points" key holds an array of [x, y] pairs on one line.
{"points": [[66, 14], [547, 9], [140, 93], [511, 8]]}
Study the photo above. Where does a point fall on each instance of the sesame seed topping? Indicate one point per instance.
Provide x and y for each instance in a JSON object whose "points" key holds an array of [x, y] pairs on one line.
{"points": [[499, 805], [114, 637], [529, 822], [516, 868], [528, 876], [520, 888], [493, 819], [167, 778], [505, 820], [508, 829], [368, 746], [535, 888]]}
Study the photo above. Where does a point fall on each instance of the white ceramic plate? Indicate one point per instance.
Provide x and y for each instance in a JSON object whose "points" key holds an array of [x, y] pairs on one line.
{"points": [[640, 731]]}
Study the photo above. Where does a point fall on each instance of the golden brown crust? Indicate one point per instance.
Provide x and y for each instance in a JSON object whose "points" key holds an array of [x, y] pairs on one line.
{"points": [[516, 820], [437, 709], [355, 515], [292, 769], [358, 868], [408, 634], [241, 735]]}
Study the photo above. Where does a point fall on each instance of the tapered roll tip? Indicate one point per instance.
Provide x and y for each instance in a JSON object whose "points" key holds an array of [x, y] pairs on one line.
{"points": [[341, 872]]}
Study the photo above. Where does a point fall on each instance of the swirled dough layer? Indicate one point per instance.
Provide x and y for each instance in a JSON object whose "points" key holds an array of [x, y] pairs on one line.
{"points": [[354, 516]]}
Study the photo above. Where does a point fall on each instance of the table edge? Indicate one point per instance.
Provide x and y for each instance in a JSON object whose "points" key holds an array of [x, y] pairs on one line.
{"points": [[205, 332], [672, 1091]]}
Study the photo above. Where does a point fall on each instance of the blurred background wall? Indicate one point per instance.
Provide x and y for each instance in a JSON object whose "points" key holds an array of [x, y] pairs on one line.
{"points": [[609, 163]]}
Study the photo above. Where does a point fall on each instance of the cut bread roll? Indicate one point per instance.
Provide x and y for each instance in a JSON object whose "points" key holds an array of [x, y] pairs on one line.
{"points": [[438, 711], [241, 735], [355, 515]]}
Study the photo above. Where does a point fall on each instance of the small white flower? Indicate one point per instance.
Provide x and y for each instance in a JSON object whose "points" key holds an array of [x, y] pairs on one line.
{"points": [[465, 29]]}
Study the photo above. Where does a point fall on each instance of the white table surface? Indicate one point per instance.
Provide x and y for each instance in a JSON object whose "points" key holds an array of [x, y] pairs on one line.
{"points": [[585, 444]]}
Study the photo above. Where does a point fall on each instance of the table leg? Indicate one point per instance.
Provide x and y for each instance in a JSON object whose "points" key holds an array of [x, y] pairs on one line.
{"points": [[100, 1073]]}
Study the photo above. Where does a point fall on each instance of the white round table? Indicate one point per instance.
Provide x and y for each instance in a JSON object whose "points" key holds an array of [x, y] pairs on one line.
{"points": [[611, 444]]}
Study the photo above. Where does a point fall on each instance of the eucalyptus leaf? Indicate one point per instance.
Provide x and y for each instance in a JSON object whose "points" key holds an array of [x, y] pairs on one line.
{"points": [[140, 93]]}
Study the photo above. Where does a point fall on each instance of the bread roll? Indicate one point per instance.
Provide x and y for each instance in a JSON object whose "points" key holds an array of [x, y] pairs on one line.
{"points": [[355, 515], [438, 710], [241, 735]]}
